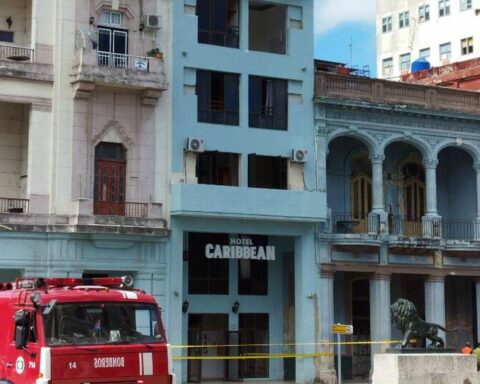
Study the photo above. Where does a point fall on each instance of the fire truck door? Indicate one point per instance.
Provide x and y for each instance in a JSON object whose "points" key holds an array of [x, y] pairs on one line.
{"points": [[22, 364]]}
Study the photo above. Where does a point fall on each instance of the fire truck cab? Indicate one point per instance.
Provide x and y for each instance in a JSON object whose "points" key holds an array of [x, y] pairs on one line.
{"points": [[73, 330]]}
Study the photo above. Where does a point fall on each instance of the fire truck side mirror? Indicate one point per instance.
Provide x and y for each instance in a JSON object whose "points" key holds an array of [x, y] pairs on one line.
{"points": [[21, 328]]}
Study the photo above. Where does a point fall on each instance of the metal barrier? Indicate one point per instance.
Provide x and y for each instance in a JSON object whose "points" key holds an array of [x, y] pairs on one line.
{"points": [[349, 223], [119, 60]]}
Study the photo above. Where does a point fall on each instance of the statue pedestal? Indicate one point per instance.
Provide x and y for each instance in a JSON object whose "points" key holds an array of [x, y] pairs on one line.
{"points": [[422, 368]]}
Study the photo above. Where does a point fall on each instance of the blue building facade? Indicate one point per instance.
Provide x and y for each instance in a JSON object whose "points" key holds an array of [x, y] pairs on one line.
{"points": [[244, 198], [400, 166]]}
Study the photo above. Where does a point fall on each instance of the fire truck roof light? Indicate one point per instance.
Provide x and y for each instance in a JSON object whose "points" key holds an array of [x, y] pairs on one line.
{"points": [[29, 283]]}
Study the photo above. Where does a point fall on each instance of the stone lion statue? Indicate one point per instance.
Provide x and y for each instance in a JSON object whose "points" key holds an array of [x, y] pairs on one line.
{"points": [[405, 318]]}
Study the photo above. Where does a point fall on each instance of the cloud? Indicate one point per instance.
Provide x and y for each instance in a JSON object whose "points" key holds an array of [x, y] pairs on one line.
{"points": [[331, 13]]}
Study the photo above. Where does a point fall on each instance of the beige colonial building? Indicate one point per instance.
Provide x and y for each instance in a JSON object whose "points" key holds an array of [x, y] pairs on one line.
{"points": [[83, 143]]}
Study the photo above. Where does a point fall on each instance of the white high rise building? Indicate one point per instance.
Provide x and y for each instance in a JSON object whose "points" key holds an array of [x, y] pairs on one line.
{"points": [[441, 31]]}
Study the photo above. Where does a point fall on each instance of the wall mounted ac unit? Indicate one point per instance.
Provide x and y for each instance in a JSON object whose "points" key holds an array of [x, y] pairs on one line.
{"points": [[153, 21], [195, 144], [299, 155]]}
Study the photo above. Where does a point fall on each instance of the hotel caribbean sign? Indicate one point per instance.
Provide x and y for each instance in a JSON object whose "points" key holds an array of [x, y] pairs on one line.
{"points": [[240, 248]]}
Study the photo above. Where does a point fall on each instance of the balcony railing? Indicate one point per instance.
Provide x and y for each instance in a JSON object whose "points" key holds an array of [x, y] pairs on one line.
{"points": [[335, 86], [129, 209], [348, 223], [401, 226], [119, 60], [8, 205], [16, 53], [457, 229]]}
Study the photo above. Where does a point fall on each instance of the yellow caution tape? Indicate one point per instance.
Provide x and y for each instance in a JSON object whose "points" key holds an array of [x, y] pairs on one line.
{"points": [[254, 356], [287, 344]]}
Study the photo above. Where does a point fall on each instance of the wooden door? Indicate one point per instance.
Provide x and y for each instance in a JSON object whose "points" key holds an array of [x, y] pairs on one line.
{"points": [[414, 207]]}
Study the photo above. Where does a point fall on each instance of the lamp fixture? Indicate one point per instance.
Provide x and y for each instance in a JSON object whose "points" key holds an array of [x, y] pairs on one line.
{"points": [[141, 27], [235, 307], [185, 306], [91, 20], [9, 21]]}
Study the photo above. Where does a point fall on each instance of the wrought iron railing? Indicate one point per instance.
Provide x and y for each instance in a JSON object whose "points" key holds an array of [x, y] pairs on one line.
{"points": [[8, 205], [129, 209], [119, 60], [401, 226], [16, 52], [350, 223], [460, 229]]}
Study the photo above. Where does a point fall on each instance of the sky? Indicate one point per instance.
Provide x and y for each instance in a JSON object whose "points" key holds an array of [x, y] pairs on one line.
{"points": [[341, 23]]}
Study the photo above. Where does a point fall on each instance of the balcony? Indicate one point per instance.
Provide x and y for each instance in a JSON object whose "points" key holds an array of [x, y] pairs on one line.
{"points": [[8, 205], [94, 68], [18, 61], [204, 200], [331, 86], [355, 224]]}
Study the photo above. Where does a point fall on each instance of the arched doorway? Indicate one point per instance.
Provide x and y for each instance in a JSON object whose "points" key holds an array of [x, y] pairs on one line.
{"points": [[110, 179], [413, 196]]}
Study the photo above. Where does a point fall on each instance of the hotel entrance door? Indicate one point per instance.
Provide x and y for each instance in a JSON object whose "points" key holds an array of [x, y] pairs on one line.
{"points": [[210, 331]]}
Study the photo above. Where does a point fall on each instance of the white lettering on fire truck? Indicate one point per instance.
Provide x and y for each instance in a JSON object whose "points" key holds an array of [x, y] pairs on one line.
{"points": [[108, 362]]}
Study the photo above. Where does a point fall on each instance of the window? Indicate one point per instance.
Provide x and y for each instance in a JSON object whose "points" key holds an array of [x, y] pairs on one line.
{"points": [[387, 24], [267, 27], [268, 103], [424, 13], [217, 97], [253, 274], [110, 179], [217, 168], [465, 4], [467, 45], [403, 20], [113, 19], [6, 36], [424, 53], [387, 66], [112, 47], [218, 22], [414, 197], [445, 51], [443, 8], [405, 62], [206, 276], [267, 172]]}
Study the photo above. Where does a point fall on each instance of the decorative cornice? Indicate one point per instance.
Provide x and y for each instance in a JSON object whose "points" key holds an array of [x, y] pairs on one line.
{"points": [[379, 136], [113, 125], [433, 141]]}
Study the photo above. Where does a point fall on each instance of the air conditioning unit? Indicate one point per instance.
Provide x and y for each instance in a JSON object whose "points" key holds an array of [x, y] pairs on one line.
{"points": [[299, 155], [153, 21], [195, 144]]}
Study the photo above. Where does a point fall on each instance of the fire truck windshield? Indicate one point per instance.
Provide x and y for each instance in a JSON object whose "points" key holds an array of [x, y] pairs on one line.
{"points": [[102, 323]]}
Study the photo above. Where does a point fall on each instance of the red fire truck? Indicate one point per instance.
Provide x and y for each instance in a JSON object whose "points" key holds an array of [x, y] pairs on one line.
{"points": [[89, 331]]}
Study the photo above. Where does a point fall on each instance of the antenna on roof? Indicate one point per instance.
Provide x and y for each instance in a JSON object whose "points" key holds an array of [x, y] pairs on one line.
{"points": [[351, 51]]}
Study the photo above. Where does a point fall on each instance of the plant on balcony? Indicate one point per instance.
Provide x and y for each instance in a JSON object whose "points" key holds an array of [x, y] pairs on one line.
{"points": [[155, 52]]}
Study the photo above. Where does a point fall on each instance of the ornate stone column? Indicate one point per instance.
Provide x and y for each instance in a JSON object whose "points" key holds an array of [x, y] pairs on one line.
{"points": [[378, 204], [431, 186], [435, 301], [432, 222], [477, 301], [380, 324]]}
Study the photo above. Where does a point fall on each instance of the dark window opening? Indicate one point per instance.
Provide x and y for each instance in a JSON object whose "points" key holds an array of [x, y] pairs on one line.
{"points": [[109, 187], [206, 276], [217, 95], [218, 22], [267, 172], [253, 274], [6, 36], [267, 27], [217, 168], [268, 103]]}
